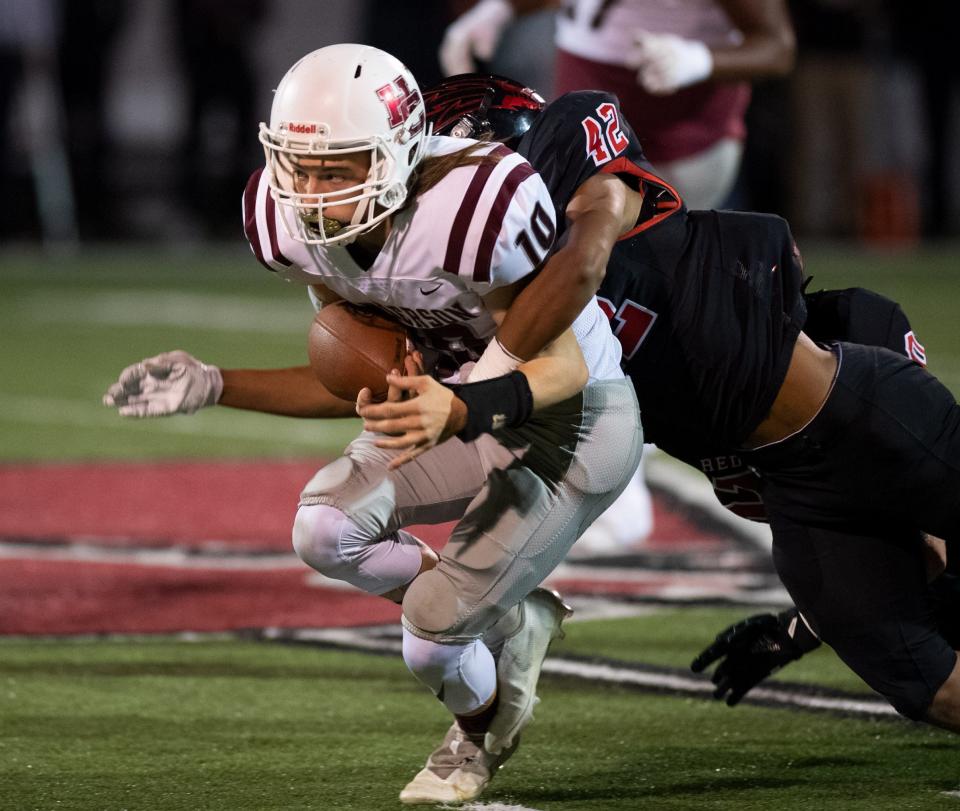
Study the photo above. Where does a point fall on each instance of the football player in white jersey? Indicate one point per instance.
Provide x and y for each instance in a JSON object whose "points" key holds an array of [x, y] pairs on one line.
{"points": [[358, 202]]}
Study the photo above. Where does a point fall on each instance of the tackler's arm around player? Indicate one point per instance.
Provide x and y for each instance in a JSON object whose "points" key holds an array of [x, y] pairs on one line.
{"points": [[421, 412], [600, 211]]}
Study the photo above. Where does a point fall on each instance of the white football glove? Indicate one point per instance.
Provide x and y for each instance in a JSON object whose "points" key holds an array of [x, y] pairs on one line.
{"points": [[665, 62], [475, 33], [170, 383]]}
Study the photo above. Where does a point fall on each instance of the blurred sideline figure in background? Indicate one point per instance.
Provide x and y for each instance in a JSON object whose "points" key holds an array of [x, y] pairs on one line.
{"points": [[931, 48], [681, 72], [886, 73], [83, 76], [837, 69], [215, 38], [28, 68]]}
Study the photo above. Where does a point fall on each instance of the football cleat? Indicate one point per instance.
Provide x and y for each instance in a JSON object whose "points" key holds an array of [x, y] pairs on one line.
{"points": [[518, 668], [457, 771]]}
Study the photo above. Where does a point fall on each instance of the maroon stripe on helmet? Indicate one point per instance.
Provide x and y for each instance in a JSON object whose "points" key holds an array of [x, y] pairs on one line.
{"points": [[491, 229], [468, 207], [250, 216], [272, 232]]}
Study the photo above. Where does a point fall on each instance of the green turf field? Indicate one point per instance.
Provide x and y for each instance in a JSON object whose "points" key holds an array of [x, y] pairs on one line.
{"points": [[159, 724], [165, 724]]}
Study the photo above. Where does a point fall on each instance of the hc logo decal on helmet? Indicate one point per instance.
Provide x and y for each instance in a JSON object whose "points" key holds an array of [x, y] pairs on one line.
{"points": [[399, 100]]}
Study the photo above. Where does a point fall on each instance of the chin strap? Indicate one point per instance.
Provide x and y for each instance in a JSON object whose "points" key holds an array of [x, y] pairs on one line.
{"points": [[331, 227], [360, 212]]}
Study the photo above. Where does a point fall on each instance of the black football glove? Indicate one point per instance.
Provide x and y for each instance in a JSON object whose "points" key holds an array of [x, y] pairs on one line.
{"points": [[754, 648]]}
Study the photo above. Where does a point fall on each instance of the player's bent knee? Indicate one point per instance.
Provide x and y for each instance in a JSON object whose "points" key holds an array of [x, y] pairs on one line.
{"points": [[431, 605], [944, 710], [912, 698], [909, 708], [917, 701], [317, 530]]}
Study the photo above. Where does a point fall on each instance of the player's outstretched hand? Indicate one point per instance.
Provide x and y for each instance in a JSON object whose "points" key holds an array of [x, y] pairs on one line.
{"points": [[753, 649], [665, 62], [169, 383], [419, 413]]}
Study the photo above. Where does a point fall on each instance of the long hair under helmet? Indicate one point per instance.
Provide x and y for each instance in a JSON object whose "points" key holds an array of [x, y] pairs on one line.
{"points": [[344, 99]]}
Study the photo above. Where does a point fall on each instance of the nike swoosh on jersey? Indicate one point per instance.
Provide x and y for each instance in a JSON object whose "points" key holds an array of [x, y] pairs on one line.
{"points": [[432, 289]]}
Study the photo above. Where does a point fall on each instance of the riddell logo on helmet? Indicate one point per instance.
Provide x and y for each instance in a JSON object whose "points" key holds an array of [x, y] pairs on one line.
{"points": [[302, 129]]}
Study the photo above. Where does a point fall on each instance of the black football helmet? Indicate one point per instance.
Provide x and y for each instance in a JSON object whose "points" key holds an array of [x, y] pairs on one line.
{"points": [[482, 106]]}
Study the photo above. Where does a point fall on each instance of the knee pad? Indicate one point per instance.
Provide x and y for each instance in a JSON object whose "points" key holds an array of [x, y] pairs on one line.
{"points": [[317, 533], [462, 676], [330, 542]]}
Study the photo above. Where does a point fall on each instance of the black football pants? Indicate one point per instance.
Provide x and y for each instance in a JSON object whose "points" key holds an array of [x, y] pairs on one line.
{"points": [[847, 498]]}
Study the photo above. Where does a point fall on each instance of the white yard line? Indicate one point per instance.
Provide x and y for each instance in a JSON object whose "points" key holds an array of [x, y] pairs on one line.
{"points": [[591, 671], [384, 639], [167, 556]]}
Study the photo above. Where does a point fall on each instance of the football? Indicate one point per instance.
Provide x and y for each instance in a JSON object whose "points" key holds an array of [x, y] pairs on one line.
{"points": [[353, 347]]}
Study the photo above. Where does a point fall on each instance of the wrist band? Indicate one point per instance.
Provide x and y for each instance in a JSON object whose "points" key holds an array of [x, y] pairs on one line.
{"points": [[501, 402]]}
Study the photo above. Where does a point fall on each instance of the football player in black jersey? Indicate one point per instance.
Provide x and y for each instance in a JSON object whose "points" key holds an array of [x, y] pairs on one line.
{"points": [[857, 447]]}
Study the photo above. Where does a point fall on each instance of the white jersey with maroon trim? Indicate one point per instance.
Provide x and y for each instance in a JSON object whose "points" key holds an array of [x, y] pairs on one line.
{"points": [[603, 30], [479, 228]]}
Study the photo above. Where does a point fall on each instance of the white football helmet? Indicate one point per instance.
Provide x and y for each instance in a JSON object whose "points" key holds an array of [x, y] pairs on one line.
{"points": [[336, 100]]}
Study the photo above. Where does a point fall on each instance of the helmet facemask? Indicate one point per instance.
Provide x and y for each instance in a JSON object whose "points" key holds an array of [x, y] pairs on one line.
{"points": [[302, 214]]}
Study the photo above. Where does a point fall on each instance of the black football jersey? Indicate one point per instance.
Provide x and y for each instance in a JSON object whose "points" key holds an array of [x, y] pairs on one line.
{"points": [[707, 304], [855, 315]]}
